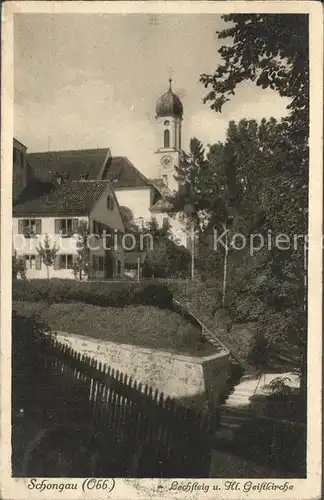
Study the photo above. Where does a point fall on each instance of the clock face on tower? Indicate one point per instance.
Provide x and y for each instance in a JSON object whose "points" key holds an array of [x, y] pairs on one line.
{"points": [[166, 161]]}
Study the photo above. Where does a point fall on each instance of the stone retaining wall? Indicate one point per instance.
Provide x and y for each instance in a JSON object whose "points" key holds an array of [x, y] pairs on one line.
{"points": [[194, 380]]}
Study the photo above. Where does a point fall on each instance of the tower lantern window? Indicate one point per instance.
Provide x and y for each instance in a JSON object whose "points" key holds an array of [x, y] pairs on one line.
{"points": [[166, 138]]}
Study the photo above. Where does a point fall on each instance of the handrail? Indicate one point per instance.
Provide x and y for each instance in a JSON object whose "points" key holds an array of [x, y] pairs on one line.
{"points": [[203, 327], [240, 362]]}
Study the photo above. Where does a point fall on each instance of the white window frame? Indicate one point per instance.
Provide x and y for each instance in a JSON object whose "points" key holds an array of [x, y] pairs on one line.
{"points": [[66, 221], [30, 225], [66, 258]]}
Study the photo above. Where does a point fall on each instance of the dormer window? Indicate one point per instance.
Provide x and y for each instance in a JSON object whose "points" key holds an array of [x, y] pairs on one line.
{"points": [[58, 178], [110, 202]]}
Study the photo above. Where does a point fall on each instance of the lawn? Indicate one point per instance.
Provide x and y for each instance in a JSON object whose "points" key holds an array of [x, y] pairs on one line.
{"points": [[140, 325]]}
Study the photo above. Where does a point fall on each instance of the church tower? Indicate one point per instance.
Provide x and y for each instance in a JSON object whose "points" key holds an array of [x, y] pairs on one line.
{"points": [[169, 112]]}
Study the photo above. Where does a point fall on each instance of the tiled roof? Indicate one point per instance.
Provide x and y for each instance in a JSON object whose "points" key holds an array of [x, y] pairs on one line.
{"points": [[123, 174], [73, 198], [35, 189], [73, 164], [91, 164]]}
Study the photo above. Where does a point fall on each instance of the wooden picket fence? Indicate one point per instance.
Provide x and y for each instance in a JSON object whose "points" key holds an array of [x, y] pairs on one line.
{"points": [[153, 436]]}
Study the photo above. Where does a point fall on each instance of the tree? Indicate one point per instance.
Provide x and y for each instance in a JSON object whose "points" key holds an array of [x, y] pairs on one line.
{"points": [[199, 195], [128, 217], [82, 262], [155, 265], [165, 258], [18, 266], [47, 253], [272, 51]]}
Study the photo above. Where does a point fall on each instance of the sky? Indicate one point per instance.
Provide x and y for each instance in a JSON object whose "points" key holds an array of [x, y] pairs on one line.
{"points": [[92, 81]]}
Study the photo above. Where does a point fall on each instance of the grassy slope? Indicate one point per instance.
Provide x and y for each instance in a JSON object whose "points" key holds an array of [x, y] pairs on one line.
{"points": [[144, 326]]}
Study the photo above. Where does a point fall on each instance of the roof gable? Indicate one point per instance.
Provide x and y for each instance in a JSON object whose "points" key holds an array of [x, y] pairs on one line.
{"points": [[123, 174], [101, 213]]}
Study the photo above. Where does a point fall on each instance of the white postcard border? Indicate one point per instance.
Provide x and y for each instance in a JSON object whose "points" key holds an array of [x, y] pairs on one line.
{"points": [[15, 488]]}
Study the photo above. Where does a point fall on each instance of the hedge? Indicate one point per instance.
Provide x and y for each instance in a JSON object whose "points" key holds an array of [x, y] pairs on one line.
{"points": [[114, 294]]}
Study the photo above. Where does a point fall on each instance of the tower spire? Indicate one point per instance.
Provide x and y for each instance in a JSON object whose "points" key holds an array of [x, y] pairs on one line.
{"points": [[170, 78]]}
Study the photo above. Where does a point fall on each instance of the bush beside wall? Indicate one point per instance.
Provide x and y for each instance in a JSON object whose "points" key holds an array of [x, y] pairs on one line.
{"points": [[113, 294]]}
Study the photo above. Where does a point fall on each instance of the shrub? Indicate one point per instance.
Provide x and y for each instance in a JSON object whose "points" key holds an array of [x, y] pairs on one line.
{"points": [[18, 267], [96, 293], [158, 295], [246, 308], [258, 351]]}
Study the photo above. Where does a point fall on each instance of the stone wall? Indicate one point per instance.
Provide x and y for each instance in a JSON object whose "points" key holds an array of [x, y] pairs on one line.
{"points": [[193, 380]]}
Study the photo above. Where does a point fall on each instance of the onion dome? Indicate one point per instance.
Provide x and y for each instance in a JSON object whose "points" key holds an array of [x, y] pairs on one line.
{"points": [[169, 104]]}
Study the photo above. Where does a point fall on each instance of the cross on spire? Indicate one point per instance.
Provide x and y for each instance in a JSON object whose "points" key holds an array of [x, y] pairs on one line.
{"points": [[170, 77]]}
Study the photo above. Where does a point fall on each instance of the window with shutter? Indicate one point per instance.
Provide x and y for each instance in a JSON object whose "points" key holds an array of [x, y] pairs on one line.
{"points": [[75, 226], [32, 226], [119, 238], [30, 261], [20, 227], [109, 202], [101, 263], [57, 262], [63, 226], [69, 226], [57, 226], [38, 265], [38, 226], [109, 241]]}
